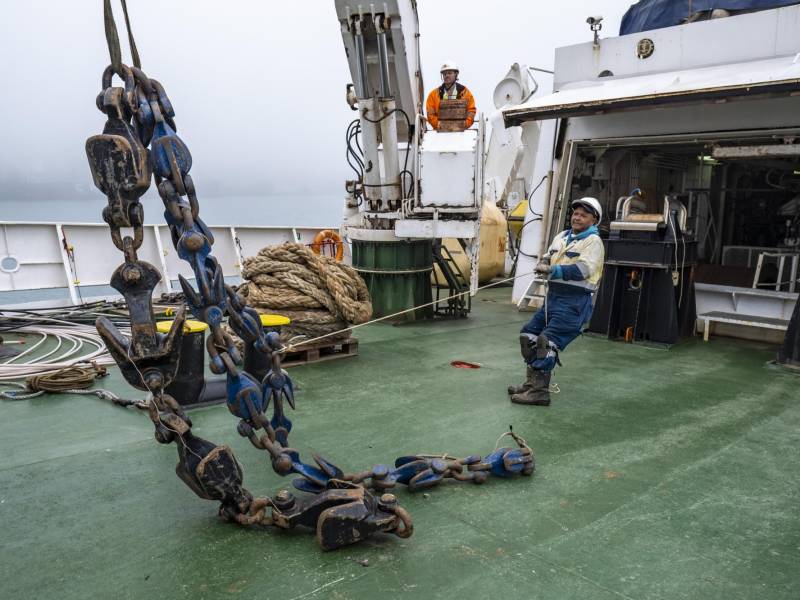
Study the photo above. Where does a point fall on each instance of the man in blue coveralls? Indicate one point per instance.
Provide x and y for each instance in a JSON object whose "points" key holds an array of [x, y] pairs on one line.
{"points": [[573, 267]]}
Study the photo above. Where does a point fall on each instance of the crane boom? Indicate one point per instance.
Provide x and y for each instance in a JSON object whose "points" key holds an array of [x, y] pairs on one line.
{"points": [[401, 74], [395, 222]]}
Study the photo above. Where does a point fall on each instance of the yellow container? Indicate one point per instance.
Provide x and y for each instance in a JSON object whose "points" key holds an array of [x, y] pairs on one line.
{"points": [[259, 363], [516, 219], [274, 321], [493, 247], [189, 326]]}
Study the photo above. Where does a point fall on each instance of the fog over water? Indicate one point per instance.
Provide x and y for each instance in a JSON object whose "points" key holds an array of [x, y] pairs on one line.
{"points": [[258, 89]]}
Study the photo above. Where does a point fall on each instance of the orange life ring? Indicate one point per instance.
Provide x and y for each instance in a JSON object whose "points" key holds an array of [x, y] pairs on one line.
{"points": [[328, 237]]}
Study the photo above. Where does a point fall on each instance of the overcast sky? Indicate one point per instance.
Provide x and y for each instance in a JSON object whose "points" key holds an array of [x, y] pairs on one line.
{"points": [[258, 86]]}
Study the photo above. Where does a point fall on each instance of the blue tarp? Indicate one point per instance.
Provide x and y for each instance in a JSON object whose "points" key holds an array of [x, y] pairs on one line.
{"points": [[654, 14]]}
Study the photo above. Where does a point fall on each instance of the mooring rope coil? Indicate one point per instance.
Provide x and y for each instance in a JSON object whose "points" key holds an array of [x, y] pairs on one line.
{"points": [[319, 294]]}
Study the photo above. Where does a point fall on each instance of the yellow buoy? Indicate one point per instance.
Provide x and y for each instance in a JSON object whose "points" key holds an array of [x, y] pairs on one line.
{"points": [[493, 247]]}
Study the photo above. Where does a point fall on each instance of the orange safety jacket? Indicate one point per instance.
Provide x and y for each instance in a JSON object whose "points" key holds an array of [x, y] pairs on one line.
{"points": [[435, 98]]}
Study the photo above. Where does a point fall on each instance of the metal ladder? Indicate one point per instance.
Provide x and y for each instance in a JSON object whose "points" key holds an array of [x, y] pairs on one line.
{"points": [[459, 300], [536, 290], [781, 260]]}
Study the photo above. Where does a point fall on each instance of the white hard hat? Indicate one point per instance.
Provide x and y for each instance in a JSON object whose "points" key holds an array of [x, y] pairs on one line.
{"points": [[449, 65], [590, 204]]}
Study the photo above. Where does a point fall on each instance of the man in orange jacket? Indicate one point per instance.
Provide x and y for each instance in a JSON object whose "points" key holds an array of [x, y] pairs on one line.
{"points": [[449, 90]]}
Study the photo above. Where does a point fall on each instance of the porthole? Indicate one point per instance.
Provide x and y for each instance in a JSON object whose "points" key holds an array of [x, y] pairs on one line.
{"points": [[9, 264]]}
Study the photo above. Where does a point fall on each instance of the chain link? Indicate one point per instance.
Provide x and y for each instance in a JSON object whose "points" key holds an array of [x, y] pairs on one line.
{"points": [[139, 143], [141, 114], [422, 471]]}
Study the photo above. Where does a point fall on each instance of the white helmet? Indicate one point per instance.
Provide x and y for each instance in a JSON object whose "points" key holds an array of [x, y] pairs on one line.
{"points": [[592, 205], [449, 65]]}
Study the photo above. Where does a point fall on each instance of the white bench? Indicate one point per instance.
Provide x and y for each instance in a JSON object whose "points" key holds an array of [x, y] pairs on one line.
{"points": [[742, 306], [738, 319]]}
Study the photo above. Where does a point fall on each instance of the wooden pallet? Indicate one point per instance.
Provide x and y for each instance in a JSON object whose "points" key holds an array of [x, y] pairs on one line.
{"points": [[320, 352]]}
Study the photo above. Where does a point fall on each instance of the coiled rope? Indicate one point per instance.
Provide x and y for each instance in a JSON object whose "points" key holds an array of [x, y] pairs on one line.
{"points": [[70, 366], [74, 344], [69, 378], [320, 295]]}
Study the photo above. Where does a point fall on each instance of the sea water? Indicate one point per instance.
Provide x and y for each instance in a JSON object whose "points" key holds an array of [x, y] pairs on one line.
{"points": [[273, 210], [318, 211]]}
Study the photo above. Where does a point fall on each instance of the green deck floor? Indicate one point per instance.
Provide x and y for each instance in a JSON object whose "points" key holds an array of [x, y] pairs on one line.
{"points": [[660, 474]]}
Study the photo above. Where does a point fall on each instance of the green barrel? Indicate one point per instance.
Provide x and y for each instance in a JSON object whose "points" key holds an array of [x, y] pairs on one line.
{"points": [[398, 275]]}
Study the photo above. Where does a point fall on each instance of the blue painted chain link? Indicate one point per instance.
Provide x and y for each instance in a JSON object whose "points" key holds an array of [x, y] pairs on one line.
{"points": [[144, 115]]}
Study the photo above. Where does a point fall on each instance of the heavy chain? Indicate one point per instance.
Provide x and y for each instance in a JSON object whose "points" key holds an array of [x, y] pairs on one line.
{"points": [[140, 115], [121, 169], [139, 143], [422, 471]]}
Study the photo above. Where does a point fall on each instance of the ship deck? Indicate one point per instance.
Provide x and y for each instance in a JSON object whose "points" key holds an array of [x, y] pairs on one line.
{"points": [[660, 474]]}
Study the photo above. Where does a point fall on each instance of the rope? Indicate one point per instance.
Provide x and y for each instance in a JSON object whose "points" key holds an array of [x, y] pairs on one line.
{"points": [[67, 379], [25, 394], [21, 395], [294, 347], [75, 344], [321, 296], [134, 52], [517, 438], [112, 37]]}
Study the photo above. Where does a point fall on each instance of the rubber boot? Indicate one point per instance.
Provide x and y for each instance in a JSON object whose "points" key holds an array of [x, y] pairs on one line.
{"points": [[542, 346], [522, 388], [539, 392], [530, 347], [527, 346]]}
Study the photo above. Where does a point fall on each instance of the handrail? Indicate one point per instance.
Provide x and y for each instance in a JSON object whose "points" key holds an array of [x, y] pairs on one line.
{"points": [[418, 122]]}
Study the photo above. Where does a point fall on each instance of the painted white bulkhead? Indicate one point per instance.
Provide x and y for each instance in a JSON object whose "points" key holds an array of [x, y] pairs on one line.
{"points": [[723, 81]]}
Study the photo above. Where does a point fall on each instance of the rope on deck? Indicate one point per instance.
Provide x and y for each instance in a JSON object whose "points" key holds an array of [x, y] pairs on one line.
{"points": [[75, 344], [296, 345], [321, 296], [68, 378]]}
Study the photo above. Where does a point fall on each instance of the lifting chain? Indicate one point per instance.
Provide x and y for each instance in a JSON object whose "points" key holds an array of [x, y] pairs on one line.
{"points": [[423, 471], [139, 143], [141, 115]]}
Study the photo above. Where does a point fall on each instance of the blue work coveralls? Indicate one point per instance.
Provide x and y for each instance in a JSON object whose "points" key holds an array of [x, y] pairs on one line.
{"points": [[577, 262]]}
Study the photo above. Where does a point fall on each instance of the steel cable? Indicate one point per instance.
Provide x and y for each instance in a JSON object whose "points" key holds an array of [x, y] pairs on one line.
{"points": [[74, 344]]}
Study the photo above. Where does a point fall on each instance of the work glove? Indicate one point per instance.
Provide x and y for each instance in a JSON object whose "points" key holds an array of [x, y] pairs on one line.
{"points": [[543, 268]]}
